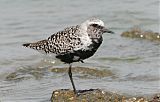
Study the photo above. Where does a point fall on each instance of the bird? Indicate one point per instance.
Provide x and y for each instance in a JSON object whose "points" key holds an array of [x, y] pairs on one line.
{"points": [[74, 43]]}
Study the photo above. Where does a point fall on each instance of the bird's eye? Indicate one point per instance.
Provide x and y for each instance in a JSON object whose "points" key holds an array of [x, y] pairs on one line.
{"points": [[94, 25]]}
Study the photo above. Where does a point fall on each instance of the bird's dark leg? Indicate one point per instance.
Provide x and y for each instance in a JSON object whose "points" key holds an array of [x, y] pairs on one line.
{"points": [[70, 76]]}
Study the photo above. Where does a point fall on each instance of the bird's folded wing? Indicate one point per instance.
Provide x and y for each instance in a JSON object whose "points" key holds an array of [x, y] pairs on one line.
{"points": [[59, 43]]}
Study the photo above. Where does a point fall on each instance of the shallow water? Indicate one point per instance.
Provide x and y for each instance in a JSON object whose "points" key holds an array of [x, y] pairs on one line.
{"points": [[134, 62]]}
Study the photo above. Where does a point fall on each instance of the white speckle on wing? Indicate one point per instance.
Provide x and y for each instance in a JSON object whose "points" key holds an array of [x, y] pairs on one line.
{"points": [[141, 36]]}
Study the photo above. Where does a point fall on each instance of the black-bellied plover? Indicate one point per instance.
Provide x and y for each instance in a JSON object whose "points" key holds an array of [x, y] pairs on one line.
{"points": [[73, 44]]}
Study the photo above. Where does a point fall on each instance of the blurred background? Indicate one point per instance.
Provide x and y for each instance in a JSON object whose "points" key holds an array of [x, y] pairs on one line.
{"points": [[134, 63]]}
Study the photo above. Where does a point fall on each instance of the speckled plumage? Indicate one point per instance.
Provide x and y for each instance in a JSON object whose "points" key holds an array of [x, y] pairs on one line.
{"points": [[58, 43], [74, 43]]}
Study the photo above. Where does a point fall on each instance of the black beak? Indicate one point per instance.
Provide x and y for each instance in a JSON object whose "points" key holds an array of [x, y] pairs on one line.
{"points": [[105, 30]]}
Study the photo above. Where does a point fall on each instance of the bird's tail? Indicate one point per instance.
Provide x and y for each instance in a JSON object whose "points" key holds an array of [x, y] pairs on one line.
{"points": [[41, 46], [26, 45]]}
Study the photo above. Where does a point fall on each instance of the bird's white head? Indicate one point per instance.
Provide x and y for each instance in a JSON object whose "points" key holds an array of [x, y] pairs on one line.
{"points": [[91, 21], [95, 23]]}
